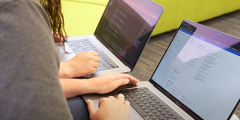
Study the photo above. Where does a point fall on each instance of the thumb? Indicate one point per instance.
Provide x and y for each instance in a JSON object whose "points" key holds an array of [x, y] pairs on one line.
{"points": [[120, 82], [91, 107]]}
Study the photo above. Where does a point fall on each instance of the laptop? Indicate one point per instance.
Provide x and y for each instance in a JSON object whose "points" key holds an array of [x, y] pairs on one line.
{"points": [[235, 113], [120, 37], [197, 78]]}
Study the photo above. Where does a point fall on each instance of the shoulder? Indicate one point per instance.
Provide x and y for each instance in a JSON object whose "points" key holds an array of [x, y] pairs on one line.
{"points": [[4, 3], [24, 6], [25, 27]]}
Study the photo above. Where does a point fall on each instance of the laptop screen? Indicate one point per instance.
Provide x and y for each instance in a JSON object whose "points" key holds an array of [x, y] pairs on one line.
{"points": [[126, 26], [200, 69]]}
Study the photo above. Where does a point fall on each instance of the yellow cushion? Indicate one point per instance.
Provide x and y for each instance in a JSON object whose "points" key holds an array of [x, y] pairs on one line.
{"points": [[167, 19], [82, 16], [232, 5], [210, 8]]}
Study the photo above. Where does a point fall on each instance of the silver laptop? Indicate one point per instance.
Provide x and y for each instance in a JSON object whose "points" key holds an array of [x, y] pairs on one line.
{"points": [[120, 37], [197, 78]]}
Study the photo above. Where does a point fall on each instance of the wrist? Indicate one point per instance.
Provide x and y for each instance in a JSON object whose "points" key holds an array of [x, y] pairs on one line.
{"points": [[65, 70], [90, 85]]}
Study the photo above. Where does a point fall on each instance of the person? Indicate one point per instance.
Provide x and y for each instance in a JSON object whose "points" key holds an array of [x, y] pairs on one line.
{"points": [[33, 83]]}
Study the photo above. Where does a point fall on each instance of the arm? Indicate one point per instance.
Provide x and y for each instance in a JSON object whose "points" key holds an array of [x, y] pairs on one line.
{"points": [[101, 84], [74, 87]]}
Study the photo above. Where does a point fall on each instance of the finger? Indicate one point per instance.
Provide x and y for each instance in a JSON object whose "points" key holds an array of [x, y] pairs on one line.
{"points": [[127, 106], [93, 70], [121, 98], [96, 65], [127, 103], [91, 107], [97, 59], [111, 97], [120, 82], [94, 53], [101, 101], [132, 79]]}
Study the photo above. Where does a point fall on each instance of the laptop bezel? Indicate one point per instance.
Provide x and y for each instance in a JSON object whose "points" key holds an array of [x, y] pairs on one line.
{"points": [[113, 51]]}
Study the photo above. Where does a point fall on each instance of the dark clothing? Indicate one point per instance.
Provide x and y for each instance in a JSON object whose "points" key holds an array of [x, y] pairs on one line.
{"points": [[29, 63], [78, 108]]}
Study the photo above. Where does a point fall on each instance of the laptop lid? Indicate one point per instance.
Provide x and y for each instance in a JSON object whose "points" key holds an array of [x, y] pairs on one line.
{"points": [[126, 26], [200, 72]]}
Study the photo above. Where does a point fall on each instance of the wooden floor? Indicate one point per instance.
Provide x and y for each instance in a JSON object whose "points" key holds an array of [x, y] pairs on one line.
{"points": [[229, 23]]}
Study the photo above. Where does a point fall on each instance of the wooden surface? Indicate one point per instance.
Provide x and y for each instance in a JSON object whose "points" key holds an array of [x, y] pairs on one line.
{"points": [[229, 23]]}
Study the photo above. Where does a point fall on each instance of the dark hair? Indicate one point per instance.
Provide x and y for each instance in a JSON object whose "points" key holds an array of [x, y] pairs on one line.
{"points": [[54, 10]]}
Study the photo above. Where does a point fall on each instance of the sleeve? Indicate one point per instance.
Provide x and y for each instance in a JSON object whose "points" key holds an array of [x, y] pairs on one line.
{"points": [[29, 63]]}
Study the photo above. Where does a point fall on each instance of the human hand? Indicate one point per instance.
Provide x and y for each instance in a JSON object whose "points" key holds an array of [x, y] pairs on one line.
{"points": [[109, 82], [82, 64], [110, 109]]}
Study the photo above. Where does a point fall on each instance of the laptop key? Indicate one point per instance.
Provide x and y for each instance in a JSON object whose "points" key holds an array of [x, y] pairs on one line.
{"points": [[143, 108], [147, 98], [153, 117], [134, 99], [151, 108], [169, 113], [138, 109], [137, 96], [141, 99], [173, 116], [154, 111], [166, 116], [138, 103], [158, 115], [147, 118], [147, 105], [154, 105], [161, 118], [150, 114], [144, 102], [147, 111], [130, 95], [162, 113]]}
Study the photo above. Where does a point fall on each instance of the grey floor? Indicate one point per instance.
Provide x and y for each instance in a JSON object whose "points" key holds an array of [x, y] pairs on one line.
{"points": [[153, 52]]}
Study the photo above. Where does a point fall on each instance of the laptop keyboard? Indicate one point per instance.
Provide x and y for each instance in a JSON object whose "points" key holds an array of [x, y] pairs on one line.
{"points": [[148, 105], [82, 45]]}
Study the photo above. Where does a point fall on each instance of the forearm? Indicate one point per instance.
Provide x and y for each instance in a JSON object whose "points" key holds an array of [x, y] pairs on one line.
{"points": [[74, 87], [64, 71]]}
